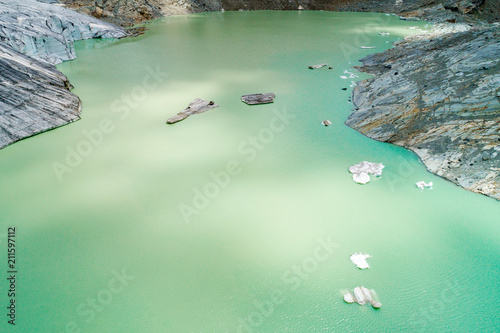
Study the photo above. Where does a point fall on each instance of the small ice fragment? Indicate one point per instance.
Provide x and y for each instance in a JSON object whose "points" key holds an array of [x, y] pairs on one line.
{"points": [[359, 259], [361, 178], [362, 296], [360, 171], [348, 298], [422, 185]]}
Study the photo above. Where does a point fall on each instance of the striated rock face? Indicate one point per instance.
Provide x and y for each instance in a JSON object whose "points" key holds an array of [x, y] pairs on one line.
{"points": [[46, 32], [34, 97], [438, 95]]}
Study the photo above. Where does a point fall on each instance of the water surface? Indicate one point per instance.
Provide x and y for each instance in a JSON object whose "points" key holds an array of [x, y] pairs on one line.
{"points": [[264, 247]]}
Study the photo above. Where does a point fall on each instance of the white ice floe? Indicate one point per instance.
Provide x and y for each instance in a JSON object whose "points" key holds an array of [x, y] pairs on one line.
{"points": [[343, 77], [326, 122], [422, 185], [384, 33], [360, 172], [348, 298], [367, 47], [353, 84], [362, 296], [351, 75], [361, 178], [359, 259]]}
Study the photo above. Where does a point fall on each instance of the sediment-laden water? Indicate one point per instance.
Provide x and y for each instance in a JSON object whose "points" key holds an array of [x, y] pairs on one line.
{"points": [[243, 218]]}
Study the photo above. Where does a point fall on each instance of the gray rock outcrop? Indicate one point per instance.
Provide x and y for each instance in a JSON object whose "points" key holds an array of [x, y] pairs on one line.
{"points": [[47, 32], [438, 95], [34, 97]]}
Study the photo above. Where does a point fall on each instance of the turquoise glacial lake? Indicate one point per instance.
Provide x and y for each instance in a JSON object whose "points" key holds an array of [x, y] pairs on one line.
{"points": [[243, 218]]}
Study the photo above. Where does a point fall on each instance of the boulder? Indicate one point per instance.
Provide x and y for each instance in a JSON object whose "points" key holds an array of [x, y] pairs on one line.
{"points": [[254, 99], [198, 105]]}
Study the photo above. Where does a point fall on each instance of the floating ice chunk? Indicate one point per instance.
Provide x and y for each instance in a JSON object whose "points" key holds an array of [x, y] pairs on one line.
{"points": [[384, 33], [351, 74], [359, 259], [361, 178], [367, 47], [343, 77], [360, 172], [353, 84], [422, 185], [326, 122], [349, 298], [359, 295], [362, 296]]}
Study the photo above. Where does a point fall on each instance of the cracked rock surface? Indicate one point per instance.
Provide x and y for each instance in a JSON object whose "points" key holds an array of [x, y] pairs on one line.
{"points": [[46, 31], [439, 96], [34, 97]]}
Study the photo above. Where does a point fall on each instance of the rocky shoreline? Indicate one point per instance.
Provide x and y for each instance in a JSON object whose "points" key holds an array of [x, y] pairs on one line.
{"points": [[437, 94], [34, 36]]}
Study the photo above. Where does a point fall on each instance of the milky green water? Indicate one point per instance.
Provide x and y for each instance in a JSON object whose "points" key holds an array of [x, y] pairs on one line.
{"points": [[241, 219]]}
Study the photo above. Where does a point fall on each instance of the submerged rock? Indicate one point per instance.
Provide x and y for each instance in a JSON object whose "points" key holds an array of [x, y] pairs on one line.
{"points": [[359, 259], [444, 104], [254, 99], [360, 172], [198, 105]]}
